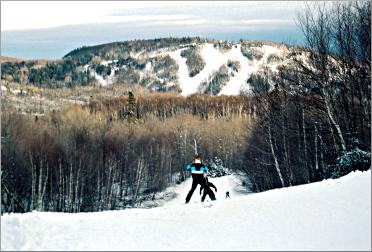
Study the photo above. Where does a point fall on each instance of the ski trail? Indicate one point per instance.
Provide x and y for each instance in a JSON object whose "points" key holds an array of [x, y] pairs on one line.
{"points": [[237, 82], [213, 59], [230, 183], [333, 214]]}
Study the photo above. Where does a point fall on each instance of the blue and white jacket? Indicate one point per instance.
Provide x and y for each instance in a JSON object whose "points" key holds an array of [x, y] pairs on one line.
{"points": [[197, 168]]}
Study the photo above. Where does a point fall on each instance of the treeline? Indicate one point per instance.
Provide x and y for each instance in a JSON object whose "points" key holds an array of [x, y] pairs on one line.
{"points": [[315, 124], [165, 105], [73, 69], [69, 71], [123, 49], [82, 159], [65, 73]]}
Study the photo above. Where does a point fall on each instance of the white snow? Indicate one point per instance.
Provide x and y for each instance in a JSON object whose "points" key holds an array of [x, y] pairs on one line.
{"points": [[268, 50], [107, 62], [236, 83], [148, 66], [15, 91], [328, 215], [86, 67], [104, 82], [214, 59]]}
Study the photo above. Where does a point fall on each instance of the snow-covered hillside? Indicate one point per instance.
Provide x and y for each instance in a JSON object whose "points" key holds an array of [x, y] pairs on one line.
{"points": [[328, 215], [214, 60], [253, 61]]}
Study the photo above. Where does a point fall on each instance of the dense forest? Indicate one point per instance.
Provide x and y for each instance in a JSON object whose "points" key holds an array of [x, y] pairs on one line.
{"points": [[114, 153], [307, 122], [316, 122], [57, 74]]}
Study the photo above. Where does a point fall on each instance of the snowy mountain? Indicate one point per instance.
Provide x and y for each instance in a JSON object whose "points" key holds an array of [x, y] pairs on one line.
{"points": [[213, 68], [327, 215], [185, 65]]}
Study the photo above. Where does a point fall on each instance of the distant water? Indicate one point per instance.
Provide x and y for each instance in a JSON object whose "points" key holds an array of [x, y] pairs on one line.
{"points": [[54, 43]]}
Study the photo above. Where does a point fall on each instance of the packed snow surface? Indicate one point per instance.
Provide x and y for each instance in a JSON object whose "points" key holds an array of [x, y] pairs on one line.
{"points": [[327, 215]]}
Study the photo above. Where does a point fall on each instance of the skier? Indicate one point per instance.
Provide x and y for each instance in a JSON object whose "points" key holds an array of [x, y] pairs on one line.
{"points": [[207, 190], [197, 169]]}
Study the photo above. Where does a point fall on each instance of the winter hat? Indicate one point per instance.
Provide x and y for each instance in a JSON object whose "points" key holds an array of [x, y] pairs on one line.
{"points": [[198, 159]]}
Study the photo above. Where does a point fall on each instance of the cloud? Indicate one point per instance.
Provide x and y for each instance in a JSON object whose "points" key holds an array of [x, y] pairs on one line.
{"points": [[266, 21], [46, 14], [179, 22], [49, 29], [143, 18], [25, 15]]}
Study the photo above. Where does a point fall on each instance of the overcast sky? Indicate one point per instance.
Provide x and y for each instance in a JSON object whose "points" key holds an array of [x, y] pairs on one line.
{"points": [[44, 14], [85, 23]]}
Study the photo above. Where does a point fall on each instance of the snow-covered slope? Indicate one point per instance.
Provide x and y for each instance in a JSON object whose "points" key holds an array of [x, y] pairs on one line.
{"points": [[328, 215], [214, 57]]}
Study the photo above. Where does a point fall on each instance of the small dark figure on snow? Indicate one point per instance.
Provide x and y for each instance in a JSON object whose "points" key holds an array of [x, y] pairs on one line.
{"points": [[207, 190], [227, 194]]}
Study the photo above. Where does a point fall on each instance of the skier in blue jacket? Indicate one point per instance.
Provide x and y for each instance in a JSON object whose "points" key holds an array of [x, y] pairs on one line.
{"points": [[197, 170]]}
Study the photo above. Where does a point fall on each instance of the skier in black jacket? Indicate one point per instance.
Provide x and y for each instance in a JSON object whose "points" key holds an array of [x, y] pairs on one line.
{"points": [[197, 169], [208, 190]]}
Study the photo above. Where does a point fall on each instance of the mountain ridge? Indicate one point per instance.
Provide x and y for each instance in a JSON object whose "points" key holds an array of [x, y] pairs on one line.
{"points": [[186, 65]]}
